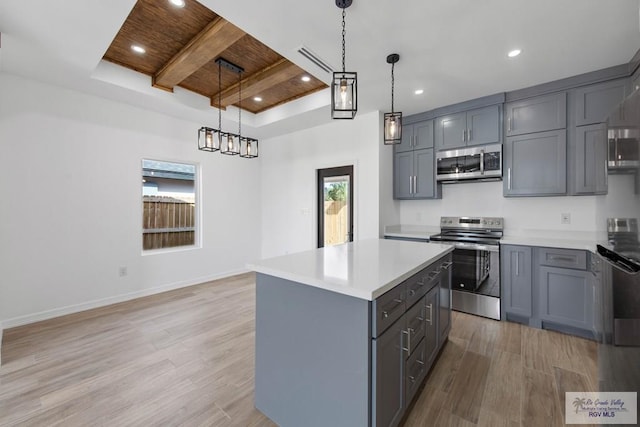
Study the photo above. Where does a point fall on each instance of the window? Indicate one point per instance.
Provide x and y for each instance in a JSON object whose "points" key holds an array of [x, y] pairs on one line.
{"points": [[168, 204]]}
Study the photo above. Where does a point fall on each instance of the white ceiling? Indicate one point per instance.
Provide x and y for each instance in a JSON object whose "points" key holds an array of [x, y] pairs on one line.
{"points": [[453, 49]]}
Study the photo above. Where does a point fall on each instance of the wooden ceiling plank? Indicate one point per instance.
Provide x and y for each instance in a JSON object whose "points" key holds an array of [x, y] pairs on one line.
{"points": [[258, 82], [207, 45]]}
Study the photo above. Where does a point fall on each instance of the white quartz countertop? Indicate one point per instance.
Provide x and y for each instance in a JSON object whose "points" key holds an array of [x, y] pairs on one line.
{"points": [[411, 231], [581, 240], [364, 269]]}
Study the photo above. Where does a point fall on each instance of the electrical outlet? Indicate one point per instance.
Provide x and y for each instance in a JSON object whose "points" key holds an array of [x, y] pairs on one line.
{"points": [[565, 218], [122, 271]]}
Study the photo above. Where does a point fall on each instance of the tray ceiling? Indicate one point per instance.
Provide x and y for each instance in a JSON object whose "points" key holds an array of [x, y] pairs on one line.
{"points": [[182, 44]]}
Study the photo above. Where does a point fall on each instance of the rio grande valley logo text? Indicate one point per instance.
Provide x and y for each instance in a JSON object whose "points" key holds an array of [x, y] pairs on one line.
{"points": [[601, 407]]}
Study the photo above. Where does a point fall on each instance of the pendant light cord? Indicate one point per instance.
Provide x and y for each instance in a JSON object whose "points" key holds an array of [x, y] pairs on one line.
{"points": [[239, 103], [343, 43], [392, 84], [219, 99]]}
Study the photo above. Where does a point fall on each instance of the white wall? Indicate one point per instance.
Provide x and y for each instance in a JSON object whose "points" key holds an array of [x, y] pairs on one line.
{"points": [[588, 213], [70, 182], [289, 167]]}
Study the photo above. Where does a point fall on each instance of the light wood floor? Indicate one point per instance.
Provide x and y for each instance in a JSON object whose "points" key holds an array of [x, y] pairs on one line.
{"points": [[186, 358]]}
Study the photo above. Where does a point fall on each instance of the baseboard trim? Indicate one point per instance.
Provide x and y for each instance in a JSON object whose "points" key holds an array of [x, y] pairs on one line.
{"points": [[76, 308]]}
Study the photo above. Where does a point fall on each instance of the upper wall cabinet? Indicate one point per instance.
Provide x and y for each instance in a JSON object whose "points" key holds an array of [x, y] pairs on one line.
{"points": [[539, 114], [536, 164], [594, 103], [590, 155], [473, 127], [416, 136]]}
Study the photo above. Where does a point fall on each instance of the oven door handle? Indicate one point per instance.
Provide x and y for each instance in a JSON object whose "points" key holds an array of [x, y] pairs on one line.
{"points": [[475, 246]]}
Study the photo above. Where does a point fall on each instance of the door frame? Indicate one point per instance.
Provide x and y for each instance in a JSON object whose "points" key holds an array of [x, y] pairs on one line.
{"points": [[320, 175]]}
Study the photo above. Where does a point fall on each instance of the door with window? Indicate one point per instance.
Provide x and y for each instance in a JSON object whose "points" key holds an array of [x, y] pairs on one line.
{"points": [[335, 206]]}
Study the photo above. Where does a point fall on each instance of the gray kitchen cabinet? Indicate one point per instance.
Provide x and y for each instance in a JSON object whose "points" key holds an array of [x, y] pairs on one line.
{"points": [[538, 114], [590, 174], [388, 357], [414, 175], [403, 352], [473, 127], [432, 331], [416, 136], [536, 164], [516, 276], [444, 299], [594, 103], [566, 297]]}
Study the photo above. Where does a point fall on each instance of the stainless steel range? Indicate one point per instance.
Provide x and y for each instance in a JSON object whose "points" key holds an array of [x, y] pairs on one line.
{"points": [[475, 280]]}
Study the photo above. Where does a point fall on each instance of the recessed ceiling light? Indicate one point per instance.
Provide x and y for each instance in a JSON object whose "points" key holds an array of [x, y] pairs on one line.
{"points": [[514, 53], [306, 79], [257, 99], [177, 3], [419, 91], [137, 49]]}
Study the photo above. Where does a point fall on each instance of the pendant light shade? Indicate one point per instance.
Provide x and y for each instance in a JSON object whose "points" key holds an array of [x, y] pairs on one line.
{"points": [[248, 147], [230, 144], [344, 88], [392, 120]]}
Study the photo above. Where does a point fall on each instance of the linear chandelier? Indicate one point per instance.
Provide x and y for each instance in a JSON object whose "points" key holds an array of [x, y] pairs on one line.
{"points": [[212, 140]]}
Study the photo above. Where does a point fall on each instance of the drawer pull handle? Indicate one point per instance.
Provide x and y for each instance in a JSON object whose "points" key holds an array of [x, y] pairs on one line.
{"points": [[430, 320], [411, 292], [446, 265], [398, 302], [561, 258], [420, 362], [412, 379], [408, 334]]}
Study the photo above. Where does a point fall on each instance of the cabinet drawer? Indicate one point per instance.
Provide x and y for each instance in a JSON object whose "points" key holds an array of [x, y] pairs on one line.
{"points": [[388, 308], [415, 326], [415, 371], [416, 287], [566, 258]]}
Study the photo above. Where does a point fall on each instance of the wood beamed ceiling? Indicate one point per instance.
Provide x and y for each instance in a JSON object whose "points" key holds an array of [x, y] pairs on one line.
{"points": [[182, 45]]}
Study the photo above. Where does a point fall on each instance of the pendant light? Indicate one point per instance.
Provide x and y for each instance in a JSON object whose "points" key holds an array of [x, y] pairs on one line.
{"points": [[344, 88], [231, 146], [211, 139], [392, 120], [228, 143]]}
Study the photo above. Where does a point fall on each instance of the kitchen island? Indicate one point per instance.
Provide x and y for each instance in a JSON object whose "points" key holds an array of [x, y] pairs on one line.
{"points": [[345, 335]]}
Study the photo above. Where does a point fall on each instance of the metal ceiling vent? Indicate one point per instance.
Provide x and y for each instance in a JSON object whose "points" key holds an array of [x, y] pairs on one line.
{"points": [[322, 64]]}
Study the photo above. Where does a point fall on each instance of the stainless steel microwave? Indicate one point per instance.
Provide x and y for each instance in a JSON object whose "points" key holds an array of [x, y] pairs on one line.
{"points": [[472, 163], [624, 148]]}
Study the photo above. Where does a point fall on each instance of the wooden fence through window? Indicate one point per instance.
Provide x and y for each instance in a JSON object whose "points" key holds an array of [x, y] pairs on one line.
{"points": [[167, 222], [335, 222]]}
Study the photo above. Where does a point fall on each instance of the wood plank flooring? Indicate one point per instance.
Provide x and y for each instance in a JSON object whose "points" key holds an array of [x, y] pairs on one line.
{"points": [[186, 358]]}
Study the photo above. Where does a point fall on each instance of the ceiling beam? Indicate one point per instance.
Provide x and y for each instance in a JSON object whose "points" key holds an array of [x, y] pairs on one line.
{"points": [[258, 82], [204, 47]]}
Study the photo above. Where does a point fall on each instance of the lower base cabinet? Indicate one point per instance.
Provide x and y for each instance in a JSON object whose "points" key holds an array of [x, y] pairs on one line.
{"points": [[403, 354], [548, 288], [566, 297]]}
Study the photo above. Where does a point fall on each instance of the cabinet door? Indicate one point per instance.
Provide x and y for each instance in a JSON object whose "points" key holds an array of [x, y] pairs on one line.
{"points": [[407, 140], [591, 159], [388, 382], [516, 279], [483, 125], [536, 164], [423, 135], [444, 300], [566, 297], [538, 114], [451, 131], [403, 175], [595, 102], [424, 173], [432, 334], [415, 371]]}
